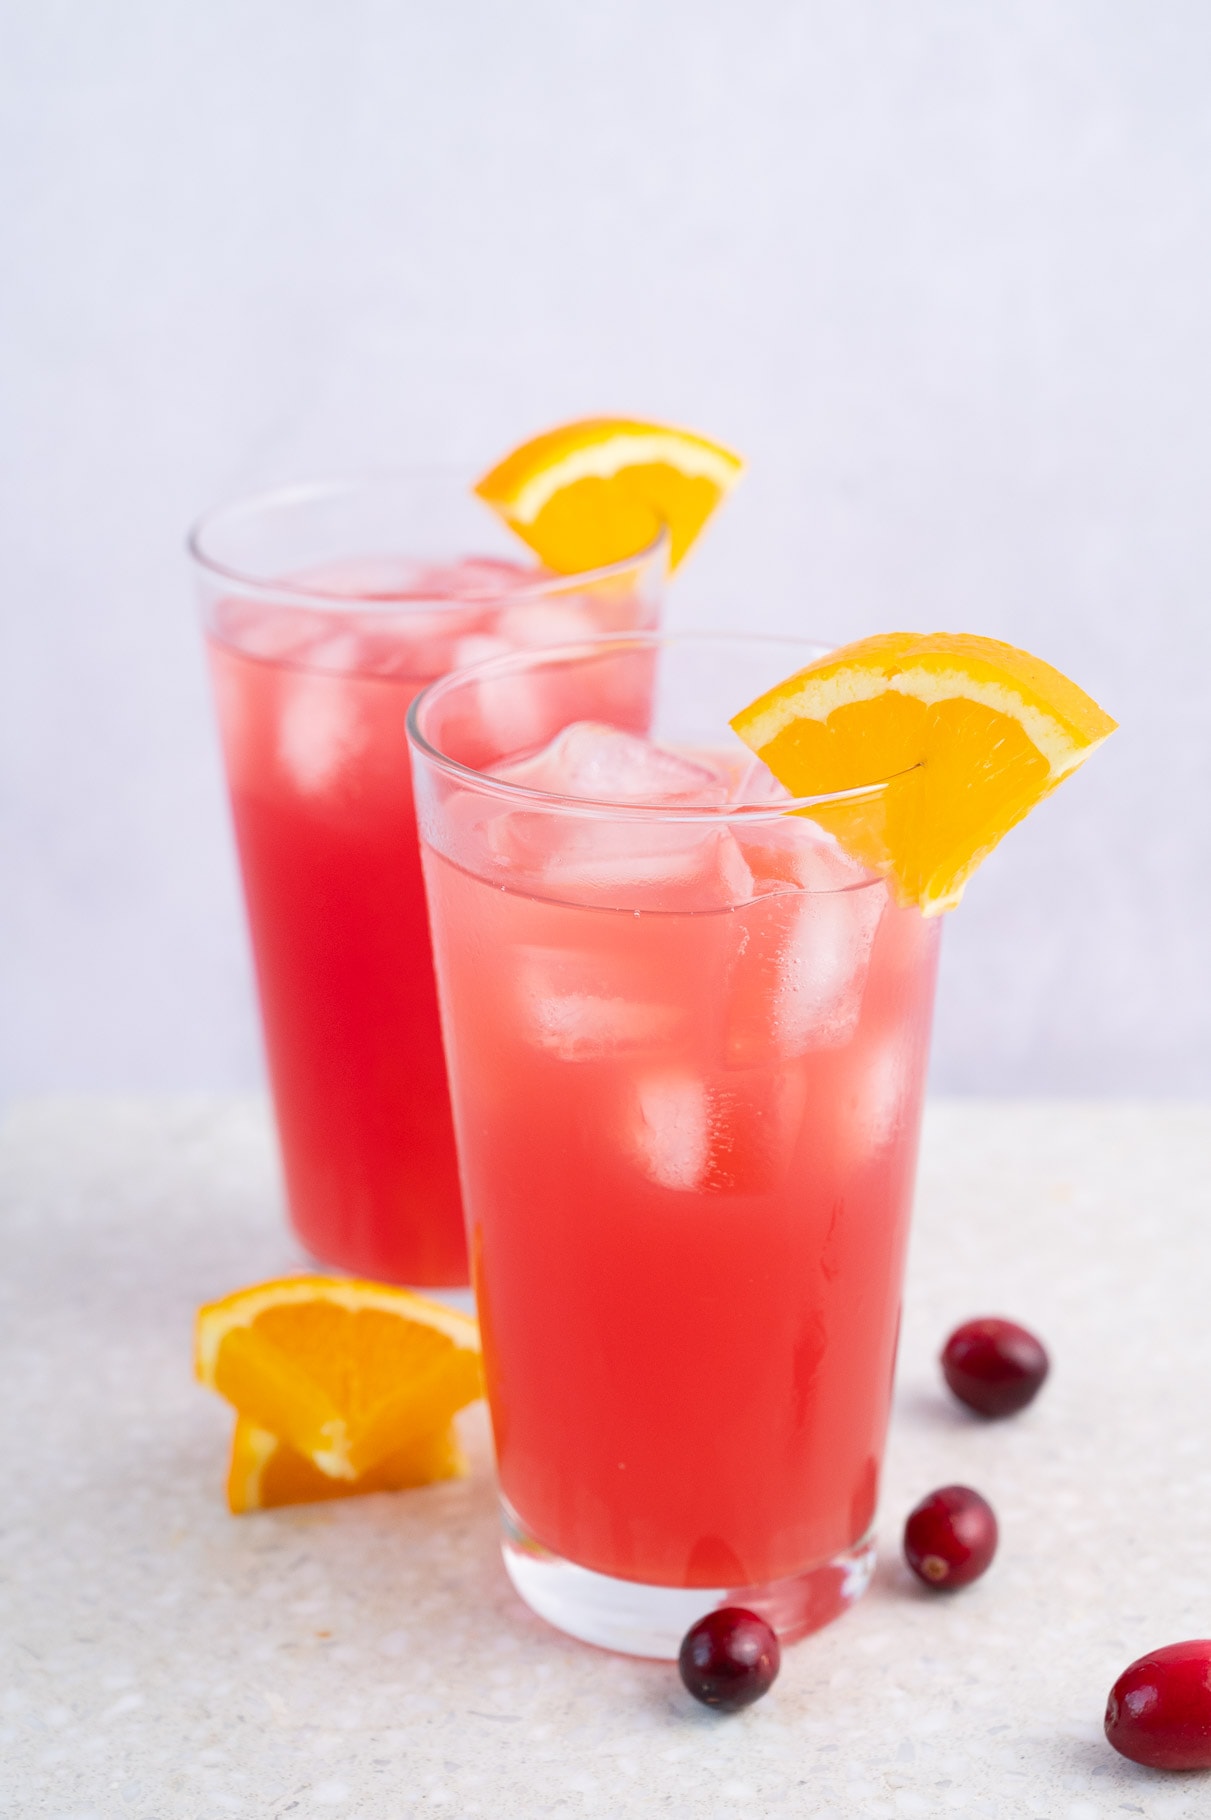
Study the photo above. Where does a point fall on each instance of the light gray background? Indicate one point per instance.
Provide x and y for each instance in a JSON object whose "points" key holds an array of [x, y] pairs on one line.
{"points": [[941, 270]]}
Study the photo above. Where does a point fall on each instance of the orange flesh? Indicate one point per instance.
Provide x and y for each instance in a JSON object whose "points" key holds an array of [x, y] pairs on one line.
{"points": [[346, 1373], [592, 519], [357, 1358], [965, 738], [266, 1473]]}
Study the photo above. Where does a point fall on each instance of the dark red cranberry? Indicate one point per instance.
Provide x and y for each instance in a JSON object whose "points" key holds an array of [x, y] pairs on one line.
{"points": [[729, 1659], [1159, 1710], [994, 1366], [951, 1537]]}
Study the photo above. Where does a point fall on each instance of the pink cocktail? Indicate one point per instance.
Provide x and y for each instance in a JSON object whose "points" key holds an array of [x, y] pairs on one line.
{"points": [[322, 624], [687, 1041]]}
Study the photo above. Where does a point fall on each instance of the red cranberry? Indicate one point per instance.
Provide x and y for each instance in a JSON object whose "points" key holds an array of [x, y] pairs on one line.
{"points": [[1159, 1710], [994, 1366], [729, 1658], [951, 1537]]}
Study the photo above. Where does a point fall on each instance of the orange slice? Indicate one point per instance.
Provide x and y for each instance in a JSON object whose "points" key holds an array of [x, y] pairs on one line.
{"points": [[266, 1473], [970, 732], [346, 1372], [598, 491]]}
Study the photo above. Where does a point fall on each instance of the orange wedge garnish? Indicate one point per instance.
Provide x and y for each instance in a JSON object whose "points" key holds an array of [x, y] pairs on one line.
{"points": [[598, 491], [970, 732], [347, 1373], [266, 1473]]}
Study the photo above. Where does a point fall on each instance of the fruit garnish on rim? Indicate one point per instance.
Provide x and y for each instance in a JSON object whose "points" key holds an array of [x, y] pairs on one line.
{"points": [[346, 1373], [965, 735], [597, 491]]}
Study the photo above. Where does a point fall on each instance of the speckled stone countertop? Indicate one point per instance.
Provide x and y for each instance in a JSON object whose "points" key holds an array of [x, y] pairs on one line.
{"points": [[162, 1660]]}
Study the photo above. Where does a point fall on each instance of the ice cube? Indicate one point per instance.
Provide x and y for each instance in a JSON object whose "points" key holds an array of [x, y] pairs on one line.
{"points": [[634, 862], [320, 730], [274, 633], [478, 578], [799, 972], [340, 653], [662, 866], [717, 1134], [670, 1131], [478, 648], [870, 1087], [510, 709], [620, 865], [756, 784], [365, 645], [586, 1026], [584, 1004], [604, 764], [583, 1026], [412, 644], [544, 622], [388, 578], [793, 850], [884, 1085], [358, 578]]}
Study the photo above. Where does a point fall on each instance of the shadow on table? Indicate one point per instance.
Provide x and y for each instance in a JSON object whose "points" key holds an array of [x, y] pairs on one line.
{"points": [[916, 1407], [1068, 1755]]}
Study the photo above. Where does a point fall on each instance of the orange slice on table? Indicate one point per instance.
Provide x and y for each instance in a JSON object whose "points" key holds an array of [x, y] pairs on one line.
{"points": [[971, 733], [597, 491], [347, 1373], [266, 1473]]}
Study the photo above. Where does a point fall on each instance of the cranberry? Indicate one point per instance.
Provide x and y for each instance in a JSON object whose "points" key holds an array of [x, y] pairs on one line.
{"points": [[729, 1658], [951, 1537], [994, 1366], [1159, 1710]]}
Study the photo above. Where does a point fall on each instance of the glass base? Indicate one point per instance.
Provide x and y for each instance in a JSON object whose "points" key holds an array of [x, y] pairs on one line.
{"points": [[639, 1620]]}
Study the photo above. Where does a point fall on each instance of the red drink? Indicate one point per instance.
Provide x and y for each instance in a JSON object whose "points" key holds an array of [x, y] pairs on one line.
{"points": [[688, 1093], [703, 1408], [313, 677]]}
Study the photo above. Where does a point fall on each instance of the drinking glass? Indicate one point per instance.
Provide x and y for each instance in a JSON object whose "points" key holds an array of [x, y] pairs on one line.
{"points": [[326, 608], [687, 1039]]}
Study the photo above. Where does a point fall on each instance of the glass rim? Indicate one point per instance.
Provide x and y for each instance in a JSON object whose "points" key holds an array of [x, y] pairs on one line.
{"points": [[553, 802], [245, 506]]}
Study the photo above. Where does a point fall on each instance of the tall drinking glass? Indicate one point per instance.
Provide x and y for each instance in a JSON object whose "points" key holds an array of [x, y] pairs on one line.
{"points": [[687, 1041], [326, 608]]}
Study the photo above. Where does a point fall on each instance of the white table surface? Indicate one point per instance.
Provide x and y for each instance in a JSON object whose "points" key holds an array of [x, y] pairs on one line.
{"points": [[162, 1660]]}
